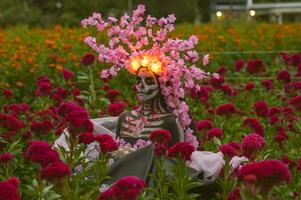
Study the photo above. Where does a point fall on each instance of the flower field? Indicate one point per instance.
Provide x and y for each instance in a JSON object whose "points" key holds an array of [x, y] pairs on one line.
{"points": [[50, 81]]}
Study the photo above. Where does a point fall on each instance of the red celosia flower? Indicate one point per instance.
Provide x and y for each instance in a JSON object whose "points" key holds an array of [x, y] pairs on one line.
{"points": [[55, 171], [10, 122], [6, 158], [217, 81], [112, 94], [8, 93], [116, 109], [296, 59], [268, 84], [267, 172], [44, 88], [299, 164], [160, 136], [43, 127], [296, 102], [42, 79], [106, 87], [214, 132], [126, 188], [281, 135], [204, 124], [86, 137], [67, 107], [255, 125], [296, 85], [77, 118], [76, 91], [284, 76], [67, 74], [182, 150], [228, 150], [226, 109], [274, 111], [261, 108], [289, 162], [235, 194], [88, 59], [254, 66], [106, 143], [251, 144], [204, 94], [41, 152], [160, 149], [235, 145], [227, 89], [9, 189], [239, 64], [250, 86]]}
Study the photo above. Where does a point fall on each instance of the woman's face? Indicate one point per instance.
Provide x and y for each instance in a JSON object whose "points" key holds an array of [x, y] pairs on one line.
{"points": [[147, 86]]}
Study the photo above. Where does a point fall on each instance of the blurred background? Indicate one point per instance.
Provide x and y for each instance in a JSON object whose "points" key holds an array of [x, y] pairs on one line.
{"points": [[44, 13]]}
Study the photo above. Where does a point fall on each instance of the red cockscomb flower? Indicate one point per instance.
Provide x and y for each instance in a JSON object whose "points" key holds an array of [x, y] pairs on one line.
{"points": [[8, 93], [9, 189], [182, 150], [160, 136], [239, 64], [284, 76], [67, 74], [281, 135], [77, 118], [126, 188], [55, 171], [88, 59], [67, 107], [250, 86], [268, 84], [299, 164], [254, 66], [86, 137], [261, 108], [106, 143], [255, 125], [251, 144], [116, 109], [6, 158], [226, 109], [204, 124], [217, 81], [42, 127], [268, 173], [112, 94], [10, 122], [235, 194], [296, 102], [214, 132], [41, 152], [228, 150]]}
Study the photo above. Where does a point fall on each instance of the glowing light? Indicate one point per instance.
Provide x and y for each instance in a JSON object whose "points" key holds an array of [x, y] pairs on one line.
{"points": [[145, 61], [135, 64], [219, 14], [252, 13], [156, 67]]}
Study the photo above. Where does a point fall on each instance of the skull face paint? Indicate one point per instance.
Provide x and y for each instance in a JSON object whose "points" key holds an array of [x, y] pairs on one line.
{"points": [[147, 86]]}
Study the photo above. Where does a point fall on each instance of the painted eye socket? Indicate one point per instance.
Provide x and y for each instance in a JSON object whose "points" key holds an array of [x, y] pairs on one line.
{"points": [[138, 80], [150, 81]]}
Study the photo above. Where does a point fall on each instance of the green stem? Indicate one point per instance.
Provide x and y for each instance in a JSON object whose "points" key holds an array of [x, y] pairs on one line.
{"points": [[92, 89]]}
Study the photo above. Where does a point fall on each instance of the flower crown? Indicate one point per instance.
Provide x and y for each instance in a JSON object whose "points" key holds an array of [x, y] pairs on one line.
{"points": [[135, 42]]}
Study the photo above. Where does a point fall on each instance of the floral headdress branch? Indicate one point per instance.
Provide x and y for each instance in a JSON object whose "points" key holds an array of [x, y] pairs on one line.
{"points": [[132, 44]]}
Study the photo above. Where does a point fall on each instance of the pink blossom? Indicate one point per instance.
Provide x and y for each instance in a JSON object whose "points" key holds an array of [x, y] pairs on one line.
{"points": [[206, 59]]}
